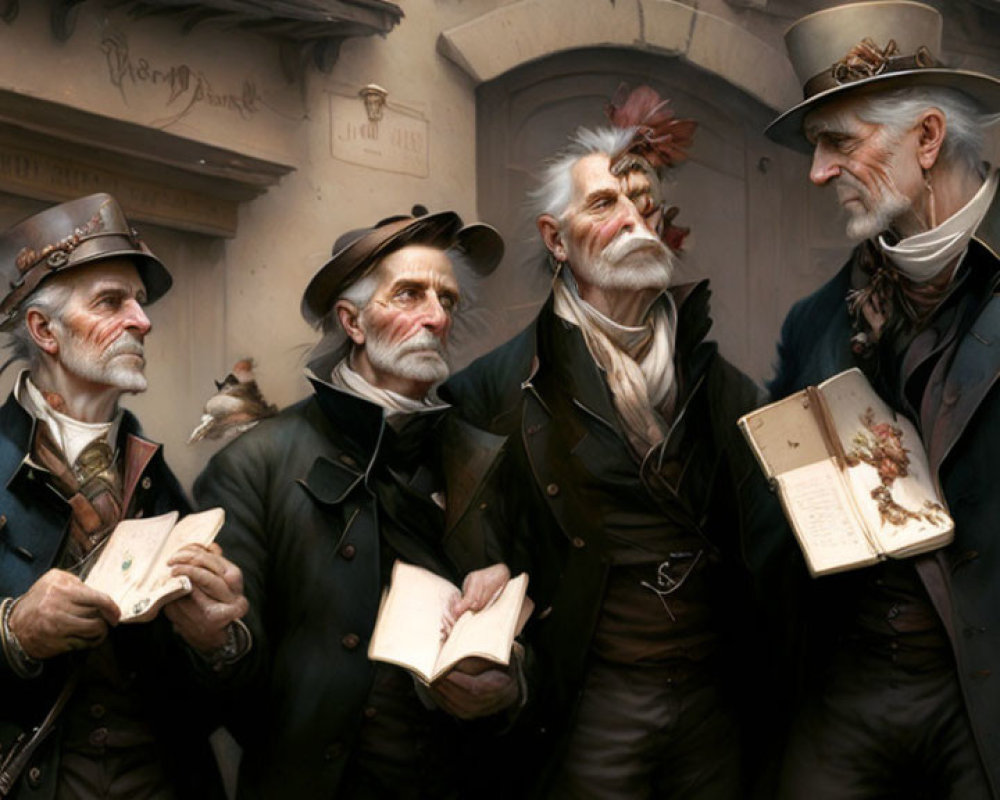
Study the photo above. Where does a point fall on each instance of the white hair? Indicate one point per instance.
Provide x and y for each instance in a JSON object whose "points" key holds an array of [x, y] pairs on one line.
{"points": [[555, 187], [898, 110], [50, 298]]}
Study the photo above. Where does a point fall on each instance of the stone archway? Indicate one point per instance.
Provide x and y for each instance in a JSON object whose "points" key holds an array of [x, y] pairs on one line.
{"points": [[761, 234], [527, 30]]}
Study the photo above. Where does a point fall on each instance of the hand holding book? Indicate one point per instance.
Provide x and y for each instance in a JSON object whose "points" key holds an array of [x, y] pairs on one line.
{"points": [[480, 589], [408, 629], [851, 474]]}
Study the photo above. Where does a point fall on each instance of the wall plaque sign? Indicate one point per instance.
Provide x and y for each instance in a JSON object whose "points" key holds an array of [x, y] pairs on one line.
{"points": [[398, 142]]}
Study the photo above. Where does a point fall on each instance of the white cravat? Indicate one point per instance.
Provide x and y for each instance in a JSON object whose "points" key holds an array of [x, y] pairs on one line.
{"points": [[70, 434], [346, 379], [922, 256], [640, 387]]}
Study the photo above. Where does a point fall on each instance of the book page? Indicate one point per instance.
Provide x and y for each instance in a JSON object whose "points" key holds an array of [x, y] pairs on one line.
{"points": [[128, 556], [887, 468], [817, 504], [142, 600], [785, 435], [488, 633], [408, 629]]}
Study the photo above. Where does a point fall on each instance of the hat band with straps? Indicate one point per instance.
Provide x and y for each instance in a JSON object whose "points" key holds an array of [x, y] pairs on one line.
{"points": [[866, 61], [54, 258]]}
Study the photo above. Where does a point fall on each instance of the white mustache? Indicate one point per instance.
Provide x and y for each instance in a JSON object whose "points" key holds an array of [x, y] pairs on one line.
{"points": [[422, 340], [849, 186], [629, 242], [126, 344]]}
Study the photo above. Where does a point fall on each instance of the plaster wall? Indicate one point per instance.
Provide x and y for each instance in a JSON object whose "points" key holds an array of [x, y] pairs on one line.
{"points": [[239, 297]]}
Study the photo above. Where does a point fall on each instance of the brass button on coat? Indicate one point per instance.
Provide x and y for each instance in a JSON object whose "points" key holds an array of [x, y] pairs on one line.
{"points": [[351, 641], [348, 551], [552, 489]]}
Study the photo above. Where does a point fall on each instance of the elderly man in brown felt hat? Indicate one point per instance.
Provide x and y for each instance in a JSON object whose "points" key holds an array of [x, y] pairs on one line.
{"points": [[324, 498], [904, 682], [104, 711]]}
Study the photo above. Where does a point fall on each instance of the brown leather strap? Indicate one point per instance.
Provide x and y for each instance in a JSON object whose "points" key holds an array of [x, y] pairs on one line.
{"points": [[834, 77], [24, 748]]}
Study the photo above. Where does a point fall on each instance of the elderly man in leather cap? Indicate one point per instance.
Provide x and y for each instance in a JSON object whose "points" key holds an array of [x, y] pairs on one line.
{"points": [[322, 499], [904, 677], [105, 711], [629, 460]]}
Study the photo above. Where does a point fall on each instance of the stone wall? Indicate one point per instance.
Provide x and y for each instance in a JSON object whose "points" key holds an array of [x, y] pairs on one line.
{"points": [[299, 163]]}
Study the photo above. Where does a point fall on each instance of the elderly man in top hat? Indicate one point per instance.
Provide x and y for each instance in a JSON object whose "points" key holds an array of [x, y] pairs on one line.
{"points": [[104, 711], [908, 701], [622, 426], [322, 499]]}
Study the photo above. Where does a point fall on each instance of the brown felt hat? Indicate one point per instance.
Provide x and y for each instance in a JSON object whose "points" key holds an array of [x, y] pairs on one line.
{"points": [[82, 231], [357, 252], [870, 46]]}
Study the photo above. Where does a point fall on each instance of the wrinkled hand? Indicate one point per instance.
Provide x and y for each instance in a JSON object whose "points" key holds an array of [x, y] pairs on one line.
{"points": [[475, 688], [479, 589], [216, 598], [60, 613]]}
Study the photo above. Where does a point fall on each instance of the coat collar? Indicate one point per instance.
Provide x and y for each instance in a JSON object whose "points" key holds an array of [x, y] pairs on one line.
{"points": [[974, 370], [988, 232], [17, 428], [564, 359], [358, 427]]}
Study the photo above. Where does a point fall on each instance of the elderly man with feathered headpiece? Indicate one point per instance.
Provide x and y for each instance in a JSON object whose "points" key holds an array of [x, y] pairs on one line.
{"points": [[622, 421]]}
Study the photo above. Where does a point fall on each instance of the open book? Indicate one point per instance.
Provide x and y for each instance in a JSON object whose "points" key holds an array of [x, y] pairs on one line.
{"points": [[132, 566], [408, 629], [851, 474]]}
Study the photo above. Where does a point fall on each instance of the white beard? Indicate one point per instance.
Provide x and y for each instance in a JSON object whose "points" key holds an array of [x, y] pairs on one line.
{"points": [[125, 374], [420, 358], [877, 212], [633, 260]]}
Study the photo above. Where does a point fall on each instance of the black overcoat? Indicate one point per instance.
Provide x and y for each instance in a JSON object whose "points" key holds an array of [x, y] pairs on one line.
{"points": [[302, 522]]}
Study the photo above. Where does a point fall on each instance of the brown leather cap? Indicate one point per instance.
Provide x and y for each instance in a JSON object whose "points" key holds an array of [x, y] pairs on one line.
{"points": [[82, 231], [357, 252]]}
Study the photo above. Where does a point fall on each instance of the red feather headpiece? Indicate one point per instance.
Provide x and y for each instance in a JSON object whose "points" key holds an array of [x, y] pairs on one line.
{"points": [[660, 139]]}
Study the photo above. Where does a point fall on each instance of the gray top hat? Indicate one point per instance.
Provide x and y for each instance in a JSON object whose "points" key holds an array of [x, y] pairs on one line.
{"points": [[872, 45], [356, 252], [82, 231]]}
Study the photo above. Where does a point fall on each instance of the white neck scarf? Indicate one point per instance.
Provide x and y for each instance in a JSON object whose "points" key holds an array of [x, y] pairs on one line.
{"points": [[346, 379], [70, 434], [643, 391], [922, 256]]}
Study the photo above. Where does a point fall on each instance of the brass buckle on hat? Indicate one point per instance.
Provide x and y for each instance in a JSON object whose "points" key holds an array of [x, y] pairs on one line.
{"points": [[865, 60]]}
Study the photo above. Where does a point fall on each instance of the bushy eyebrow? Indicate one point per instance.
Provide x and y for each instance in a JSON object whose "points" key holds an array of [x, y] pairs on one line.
{"points": [[420, 283]]}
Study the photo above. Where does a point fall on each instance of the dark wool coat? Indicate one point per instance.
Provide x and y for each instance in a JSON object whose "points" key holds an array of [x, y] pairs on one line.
{"points": [[547, 401], [959, 420], [302, 522], [33, 528]]}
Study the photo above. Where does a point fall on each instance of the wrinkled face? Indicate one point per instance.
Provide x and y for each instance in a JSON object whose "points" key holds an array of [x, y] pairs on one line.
{"points": [[610, 229], [407, 321], [102, 326], [877, 180]]}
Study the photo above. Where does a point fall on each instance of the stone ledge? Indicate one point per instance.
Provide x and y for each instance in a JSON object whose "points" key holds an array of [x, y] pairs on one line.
{"points": [[54, 153]]}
